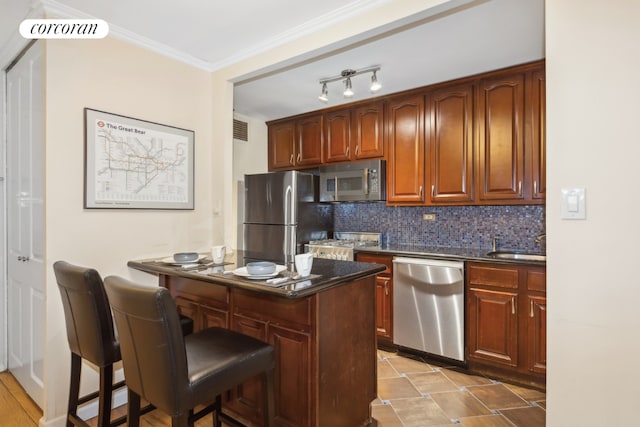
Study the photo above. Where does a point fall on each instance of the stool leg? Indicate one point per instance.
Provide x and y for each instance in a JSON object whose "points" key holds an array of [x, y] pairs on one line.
{"points": [[268, 398], [106, 393], [217, 410], [133, 409], [74, 387]]}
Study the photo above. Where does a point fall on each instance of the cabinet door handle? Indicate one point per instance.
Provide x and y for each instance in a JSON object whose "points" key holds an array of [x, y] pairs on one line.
{"points": [[357, 150], [535, 187], [513, 305], [299, 158], [531, 313], [347, 152], [433, 190], [386, 288], [519, 187], [420, 193], [291, 159]]}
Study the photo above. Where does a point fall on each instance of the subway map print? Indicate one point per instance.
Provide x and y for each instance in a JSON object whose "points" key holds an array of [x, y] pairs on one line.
{"points": [[139, 165]]}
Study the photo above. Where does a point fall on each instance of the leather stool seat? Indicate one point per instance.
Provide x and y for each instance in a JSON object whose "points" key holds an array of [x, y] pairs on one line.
{"points": [[176, 373]]}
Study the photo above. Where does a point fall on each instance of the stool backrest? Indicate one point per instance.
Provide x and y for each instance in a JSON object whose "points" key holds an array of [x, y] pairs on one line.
{"points": [[153, 350], [90, 330]]}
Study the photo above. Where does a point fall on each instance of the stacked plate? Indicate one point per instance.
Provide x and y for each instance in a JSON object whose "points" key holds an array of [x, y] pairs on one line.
{"points": [[243, 272]]}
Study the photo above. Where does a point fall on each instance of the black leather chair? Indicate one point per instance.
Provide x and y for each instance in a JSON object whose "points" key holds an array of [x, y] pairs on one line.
{"points": [[91, 336], [176, 373]]}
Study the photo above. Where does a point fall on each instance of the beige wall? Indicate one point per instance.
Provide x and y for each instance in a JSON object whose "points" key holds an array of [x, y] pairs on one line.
{"points": [[593, 288], [116, 77]]}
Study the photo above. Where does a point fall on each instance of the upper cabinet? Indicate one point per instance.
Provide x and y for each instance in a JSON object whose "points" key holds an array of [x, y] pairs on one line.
{"points": [[295, 143], [479, 140], [337, 136], [405, 135], [511, 137], [354, 133], [450, 144], [538, 147], [501, 138], [368, 131]]}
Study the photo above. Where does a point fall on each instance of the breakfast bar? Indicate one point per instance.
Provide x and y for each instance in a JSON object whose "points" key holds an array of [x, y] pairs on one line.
{"points": [[322, 328]]}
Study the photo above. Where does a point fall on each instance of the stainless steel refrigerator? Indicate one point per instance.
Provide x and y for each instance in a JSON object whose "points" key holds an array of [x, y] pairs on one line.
{"points": [[281, 214]]}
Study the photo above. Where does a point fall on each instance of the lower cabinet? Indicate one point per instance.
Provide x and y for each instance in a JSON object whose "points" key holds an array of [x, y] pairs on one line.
{"points": [[384, 296], [325, 348], [506, 326]]}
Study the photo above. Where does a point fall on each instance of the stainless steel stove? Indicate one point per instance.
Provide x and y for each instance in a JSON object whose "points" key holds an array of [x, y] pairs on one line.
{"points": [[343, 244]]}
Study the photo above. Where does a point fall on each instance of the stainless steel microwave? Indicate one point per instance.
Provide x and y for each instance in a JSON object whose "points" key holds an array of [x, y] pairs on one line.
{"points": [[353, 182]]}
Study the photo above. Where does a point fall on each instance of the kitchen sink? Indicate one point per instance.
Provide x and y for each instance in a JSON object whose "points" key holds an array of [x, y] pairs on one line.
{"points": [[517, 256]]}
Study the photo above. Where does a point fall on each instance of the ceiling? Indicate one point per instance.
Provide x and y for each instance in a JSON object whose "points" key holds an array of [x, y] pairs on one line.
{"points": [[475, 36]]}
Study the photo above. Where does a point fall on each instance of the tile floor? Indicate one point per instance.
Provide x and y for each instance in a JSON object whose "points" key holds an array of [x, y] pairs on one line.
{"points": [[416, 394]]}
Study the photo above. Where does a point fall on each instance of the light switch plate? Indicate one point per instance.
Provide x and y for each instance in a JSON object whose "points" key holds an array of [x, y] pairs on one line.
{"points": [[573, 203]]}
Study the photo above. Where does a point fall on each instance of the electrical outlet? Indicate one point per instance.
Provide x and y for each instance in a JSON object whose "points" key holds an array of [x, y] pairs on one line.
{"points": [[429, 217]]}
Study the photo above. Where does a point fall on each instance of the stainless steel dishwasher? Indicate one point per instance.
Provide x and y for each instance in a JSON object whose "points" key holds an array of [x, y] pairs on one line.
{"points": [[428, 306]]}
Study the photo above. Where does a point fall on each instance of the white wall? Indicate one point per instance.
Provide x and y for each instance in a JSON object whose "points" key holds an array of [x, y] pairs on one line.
{"points": [[112, 76], [248, 157], [593, 287]]}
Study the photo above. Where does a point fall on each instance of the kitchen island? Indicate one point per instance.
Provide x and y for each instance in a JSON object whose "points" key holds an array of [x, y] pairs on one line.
{"points": [[322, 328]]}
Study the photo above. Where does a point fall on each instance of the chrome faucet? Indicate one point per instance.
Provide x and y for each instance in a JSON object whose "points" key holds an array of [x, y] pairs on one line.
{"points": [[539, 238]]}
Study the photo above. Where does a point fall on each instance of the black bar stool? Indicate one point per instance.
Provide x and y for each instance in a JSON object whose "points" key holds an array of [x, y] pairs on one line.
{"points": [[91, 336], [176, 373]]}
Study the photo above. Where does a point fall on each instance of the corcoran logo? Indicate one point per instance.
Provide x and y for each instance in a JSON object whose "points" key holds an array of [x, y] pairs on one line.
{"points": [[64, 29]]}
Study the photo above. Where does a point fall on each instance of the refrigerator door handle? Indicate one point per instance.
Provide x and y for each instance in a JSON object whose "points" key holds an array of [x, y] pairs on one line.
{"points": [[268, 193], [288, 235]]}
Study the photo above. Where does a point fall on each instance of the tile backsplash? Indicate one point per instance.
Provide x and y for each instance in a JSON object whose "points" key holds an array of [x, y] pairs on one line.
{"points": [[453, 227]]}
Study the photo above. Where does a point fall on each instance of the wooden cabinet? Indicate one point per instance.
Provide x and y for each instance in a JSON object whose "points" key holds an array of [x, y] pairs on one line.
{"points": [[282, 137], [450, 144], [511, 137], [536, 323], [354, 133], [367, 136], [309, 335], [501, 138], [537, 115], [406, 157], [295, 143], [491, 305], [506, 324], [337, 136], [384, 296]]}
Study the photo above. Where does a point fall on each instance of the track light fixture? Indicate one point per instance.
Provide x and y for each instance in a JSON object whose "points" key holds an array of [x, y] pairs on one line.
{"points": [[348, 92], [346, 76], [324, 97]]}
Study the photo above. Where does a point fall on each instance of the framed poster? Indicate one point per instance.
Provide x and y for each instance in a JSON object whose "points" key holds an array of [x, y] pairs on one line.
{"points": [[135, 164]]}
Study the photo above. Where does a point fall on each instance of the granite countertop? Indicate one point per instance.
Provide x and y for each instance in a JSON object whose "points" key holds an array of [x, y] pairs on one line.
{"points": [[324, 274], [459, 254]]}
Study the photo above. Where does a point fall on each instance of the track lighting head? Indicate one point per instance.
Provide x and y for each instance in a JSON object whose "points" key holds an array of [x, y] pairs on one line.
{"points": [[375, 84], [348, 92], [324, 97]]}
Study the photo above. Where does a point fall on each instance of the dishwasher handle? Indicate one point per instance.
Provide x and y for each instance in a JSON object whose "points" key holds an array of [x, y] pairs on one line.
{"points": [[428, 261]]}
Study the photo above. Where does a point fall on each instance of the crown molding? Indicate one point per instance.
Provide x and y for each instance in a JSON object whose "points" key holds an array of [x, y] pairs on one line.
{"points": [[52, 7]]}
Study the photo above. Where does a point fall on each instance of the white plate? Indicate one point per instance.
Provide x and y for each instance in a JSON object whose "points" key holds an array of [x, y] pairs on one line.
{"points": [[170, 260], [242, 271]]}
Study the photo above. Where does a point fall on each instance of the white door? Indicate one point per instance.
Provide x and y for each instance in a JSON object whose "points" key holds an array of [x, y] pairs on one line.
{"points": [[25, 222]]}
